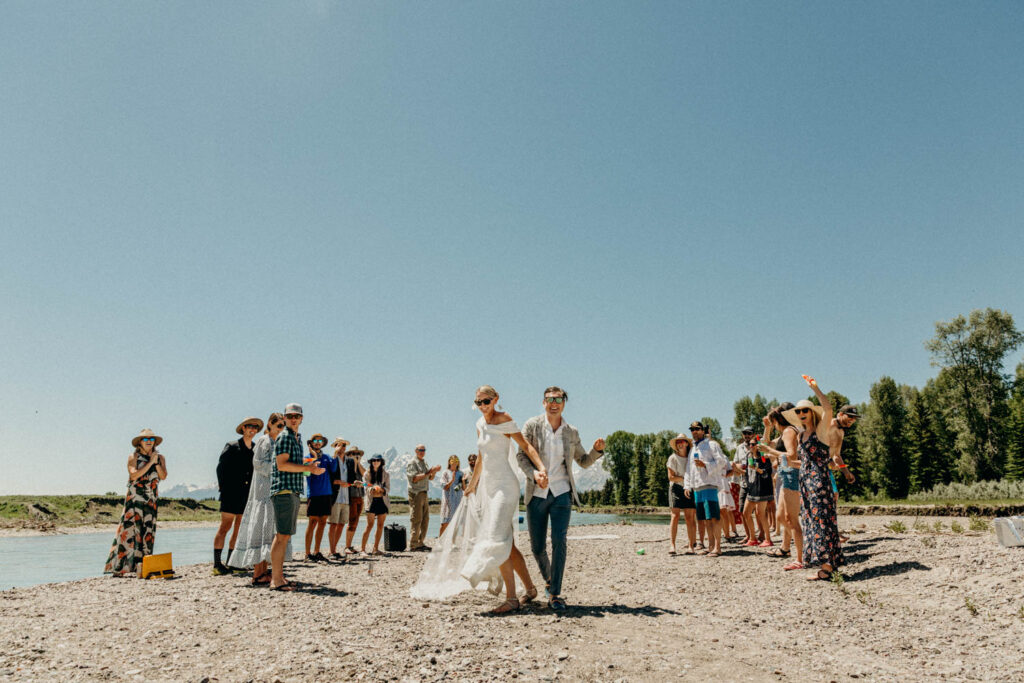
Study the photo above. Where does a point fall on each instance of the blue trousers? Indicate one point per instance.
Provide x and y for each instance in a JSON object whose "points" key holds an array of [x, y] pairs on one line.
{"points": [[558, 509]]}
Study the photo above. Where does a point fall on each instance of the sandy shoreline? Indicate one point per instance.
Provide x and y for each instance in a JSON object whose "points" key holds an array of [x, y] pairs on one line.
{"points": [[23, 532], [914, 606]]}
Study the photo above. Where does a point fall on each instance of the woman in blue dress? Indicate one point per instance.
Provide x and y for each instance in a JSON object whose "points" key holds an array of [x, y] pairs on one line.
{"points": [[451, 486]]}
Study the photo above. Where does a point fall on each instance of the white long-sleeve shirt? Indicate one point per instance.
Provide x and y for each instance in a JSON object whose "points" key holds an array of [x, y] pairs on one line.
{"points": [[710, 476]]}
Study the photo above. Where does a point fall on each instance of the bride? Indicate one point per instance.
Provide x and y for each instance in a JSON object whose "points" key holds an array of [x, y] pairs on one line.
{"points": [[478, 546]]}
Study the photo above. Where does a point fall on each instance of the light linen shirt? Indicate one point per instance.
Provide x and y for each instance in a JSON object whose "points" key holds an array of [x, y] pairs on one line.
{"points": [[554, 449]]}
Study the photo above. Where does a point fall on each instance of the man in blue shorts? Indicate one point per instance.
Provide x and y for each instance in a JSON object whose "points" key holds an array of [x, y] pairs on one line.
{"points": [[702, 480]]}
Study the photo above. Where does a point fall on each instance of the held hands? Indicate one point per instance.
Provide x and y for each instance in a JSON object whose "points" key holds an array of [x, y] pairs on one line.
{"points": [[541, 478]]}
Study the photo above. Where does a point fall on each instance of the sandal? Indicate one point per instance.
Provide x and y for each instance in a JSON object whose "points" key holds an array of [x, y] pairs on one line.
{"points": [[510, 605], [767, 543], [261, 580], [714, 553], [286, 587], [793, 565], [528, 596], [751, 543], [701, 551], [779, 552]]}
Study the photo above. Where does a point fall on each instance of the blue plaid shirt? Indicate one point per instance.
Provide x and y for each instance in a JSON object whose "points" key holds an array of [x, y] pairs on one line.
{"points": [[288, 442]]}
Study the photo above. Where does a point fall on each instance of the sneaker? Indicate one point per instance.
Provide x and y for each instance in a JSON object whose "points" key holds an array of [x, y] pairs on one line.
{"points": [[311, 558], [221, 570], [336, 556], [319, 557]]}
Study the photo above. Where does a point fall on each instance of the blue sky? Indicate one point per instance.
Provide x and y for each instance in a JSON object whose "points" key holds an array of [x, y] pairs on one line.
{"points": [[372, 208]]}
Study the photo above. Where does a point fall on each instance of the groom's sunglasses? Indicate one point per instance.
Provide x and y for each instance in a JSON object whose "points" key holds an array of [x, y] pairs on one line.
{"points": [[554, 399], [483, 402]]}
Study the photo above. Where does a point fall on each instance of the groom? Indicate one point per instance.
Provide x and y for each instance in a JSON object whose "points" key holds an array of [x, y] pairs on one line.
{"points": [[558, 444]]}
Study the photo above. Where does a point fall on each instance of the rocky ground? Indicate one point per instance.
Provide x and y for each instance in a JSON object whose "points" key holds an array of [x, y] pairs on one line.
{"points": [[916, 604]]}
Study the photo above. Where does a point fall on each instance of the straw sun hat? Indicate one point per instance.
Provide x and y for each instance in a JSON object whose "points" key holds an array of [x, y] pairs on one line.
{"points": [[680, 437], [794, 419], [338, 442], [249, 420], [147, 434]]}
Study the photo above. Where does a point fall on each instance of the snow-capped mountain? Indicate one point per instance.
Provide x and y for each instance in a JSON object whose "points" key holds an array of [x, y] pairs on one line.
{"points": [[191, 491], [395, 465], [589, 478]]}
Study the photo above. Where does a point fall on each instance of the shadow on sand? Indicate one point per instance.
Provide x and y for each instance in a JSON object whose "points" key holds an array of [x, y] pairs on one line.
{"points": [[576, 611], [891, 569]]}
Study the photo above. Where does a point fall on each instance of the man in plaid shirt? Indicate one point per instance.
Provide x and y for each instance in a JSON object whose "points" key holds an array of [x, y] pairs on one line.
{"points": [[285, 484]]}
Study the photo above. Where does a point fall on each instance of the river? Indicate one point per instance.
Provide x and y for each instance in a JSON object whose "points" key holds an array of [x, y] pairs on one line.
{"points": [[32, 560]]}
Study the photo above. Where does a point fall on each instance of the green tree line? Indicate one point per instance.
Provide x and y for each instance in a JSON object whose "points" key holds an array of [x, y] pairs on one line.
{"points": [[966, 424]]}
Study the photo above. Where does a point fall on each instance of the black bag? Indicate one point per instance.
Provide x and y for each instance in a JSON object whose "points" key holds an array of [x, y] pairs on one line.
{"points": [[394, 538]]}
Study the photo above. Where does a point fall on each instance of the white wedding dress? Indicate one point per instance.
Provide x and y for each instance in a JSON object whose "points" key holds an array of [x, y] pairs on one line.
{"points": [[478, 540]]}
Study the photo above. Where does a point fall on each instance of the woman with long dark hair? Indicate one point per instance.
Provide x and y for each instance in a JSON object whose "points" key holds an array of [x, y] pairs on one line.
{"points": [[378, 486], [817, 502], [137, 531], [783, 452]]}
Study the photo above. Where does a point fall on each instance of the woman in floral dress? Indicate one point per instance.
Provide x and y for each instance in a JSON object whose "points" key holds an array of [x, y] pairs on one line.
{"points": [[817, 502], [135, 535]]}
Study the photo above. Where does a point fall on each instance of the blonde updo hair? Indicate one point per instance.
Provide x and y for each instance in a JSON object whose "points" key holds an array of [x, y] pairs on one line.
{"points": [[487, 390], [455, 459]]}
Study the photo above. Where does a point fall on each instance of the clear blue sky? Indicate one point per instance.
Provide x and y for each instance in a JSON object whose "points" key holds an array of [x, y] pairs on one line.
{"points": [[209, 210]]}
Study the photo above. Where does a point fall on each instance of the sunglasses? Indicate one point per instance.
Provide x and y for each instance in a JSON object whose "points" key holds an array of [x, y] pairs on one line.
{"points": [[147, 439], [250, 426], [696, 429], [421, 450], [277, 424], [483, 402], [318, 441], [554, 399], [801, 411], [293, 417]]}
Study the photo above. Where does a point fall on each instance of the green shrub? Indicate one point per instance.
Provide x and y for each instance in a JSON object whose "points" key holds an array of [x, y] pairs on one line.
{"points": [[980, 490], [979, 524], [956, 527], [937, 527], [896, 526]]}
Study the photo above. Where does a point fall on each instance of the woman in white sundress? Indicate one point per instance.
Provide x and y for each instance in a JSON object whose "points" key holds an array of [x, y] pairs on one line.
{"points": [[478, 545]]}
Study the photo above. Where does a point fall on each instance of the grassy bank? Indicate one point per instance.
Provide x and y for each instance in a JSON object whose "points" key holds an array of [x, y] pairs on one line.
{"points": [[52, 511]]}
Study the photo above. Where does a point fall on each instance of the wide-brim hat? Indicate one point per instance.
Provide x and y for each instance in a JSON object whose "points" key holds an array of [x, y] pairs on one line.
{"points": [[316, 436], [249, 420], [680, 437], [376, 456], [794, 419], [147, 434], [337, 442]]}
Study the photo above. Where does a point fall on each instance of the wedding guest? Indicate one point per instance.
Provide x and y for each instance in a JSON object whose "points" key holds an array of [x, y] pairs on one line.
{"points": [[558, 445], [843, 422], [451, 496], [285, 484], [784, 451], [234, 475], [136, 533], [319, 499], [353, 472], [471, 461], [741, 458], [817, 502], [257, 530], [678, 501], [703, 478], [726, 504], [419, 476], [340, 506], [760, 490], [378, 489]]}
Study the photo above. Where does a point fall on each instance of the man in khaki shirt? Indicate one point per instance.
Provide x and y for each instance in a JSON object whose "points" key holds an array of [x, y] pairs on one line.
{"points": [[419, 476]]}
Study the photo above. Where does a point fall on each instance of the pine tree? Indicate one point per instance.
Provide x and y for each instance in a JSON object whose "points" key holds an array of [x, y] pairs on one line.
{"points": [[923, 451]]}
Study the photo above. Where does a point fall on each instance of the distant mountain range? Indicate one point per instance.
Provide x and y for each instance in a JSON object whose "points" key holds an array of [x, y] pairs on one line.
{"points": [[395, 464], [191, 491]]}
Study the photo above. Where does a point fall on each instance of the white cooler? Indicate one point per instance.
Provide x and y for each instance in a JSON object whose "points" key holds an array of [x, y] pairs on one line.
{"points": [[1009, 531]]}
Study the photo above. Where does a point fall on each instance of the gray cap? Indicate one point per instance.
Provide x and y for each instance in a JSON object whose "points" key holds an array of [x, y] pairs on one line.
{"points": [[293, 409]]}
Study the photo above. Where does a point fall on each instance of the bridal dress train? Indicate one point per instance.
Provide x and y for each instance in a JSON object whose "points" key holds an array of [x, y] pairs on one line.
{"points": [[478, 540]]}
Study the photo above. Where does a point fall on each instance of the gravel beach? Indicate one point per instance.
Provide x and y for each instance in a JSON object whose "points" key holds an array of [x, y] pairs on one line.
{"points": [[914, 606]]}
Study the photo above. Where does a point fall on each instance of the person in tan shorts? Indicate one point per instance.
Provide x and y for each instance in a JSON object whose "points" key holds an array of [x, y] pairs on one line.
{"points": [[339, 509]]}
